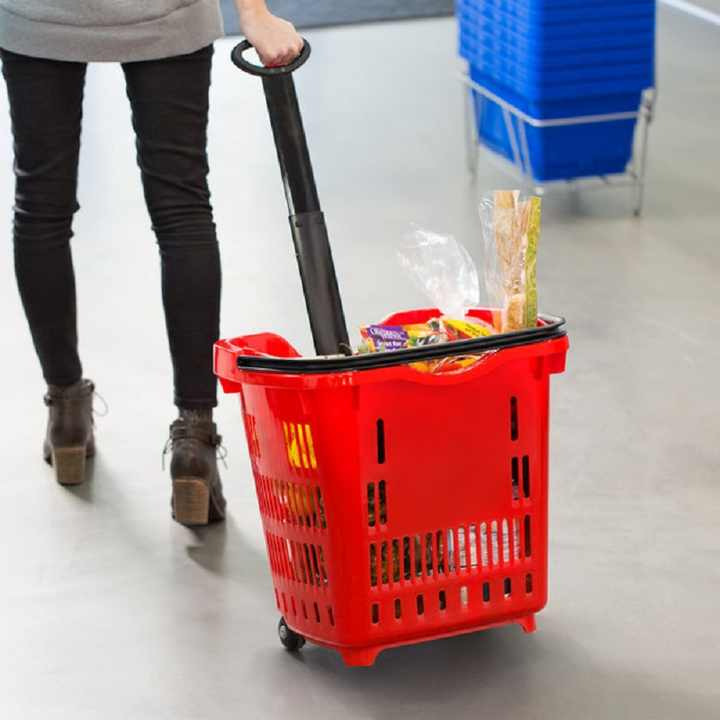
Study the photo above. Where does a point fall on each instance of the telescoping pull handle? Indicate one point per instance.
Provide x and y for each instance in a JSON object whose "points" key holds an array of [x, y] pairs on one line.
{"points": [[307, 222]]}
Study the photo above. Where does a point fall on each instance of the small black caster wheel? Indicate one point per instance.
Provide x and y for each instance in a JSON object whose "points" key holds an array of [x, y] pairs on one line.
{"points": [[291, 641]]}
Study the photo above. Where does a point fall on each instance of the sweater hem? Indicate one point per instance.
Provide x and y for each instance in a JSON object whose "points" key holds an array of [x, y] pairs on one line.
{"points": [[183, 31]]}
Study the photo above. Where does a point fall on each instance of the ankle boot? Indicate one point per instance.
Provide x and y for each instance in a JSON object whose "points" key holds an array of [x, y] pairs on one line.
{"points": [[69, 440], [197, 496]]}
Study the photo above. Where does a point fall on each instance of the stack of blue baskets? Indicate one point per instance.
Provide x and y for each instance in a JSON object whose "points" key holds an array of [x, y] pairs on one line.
{"points": [[557, 59]]}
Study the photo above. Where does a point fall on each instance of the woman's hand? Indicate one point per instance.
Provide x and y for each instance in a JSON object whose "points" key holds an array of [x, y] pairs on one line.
{"points": [[276, 40]]}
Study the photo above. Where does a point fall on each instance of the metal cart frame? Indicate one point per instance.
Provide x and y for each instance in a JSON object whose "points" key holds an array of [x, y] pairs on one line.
{"points": [[633, 177]]}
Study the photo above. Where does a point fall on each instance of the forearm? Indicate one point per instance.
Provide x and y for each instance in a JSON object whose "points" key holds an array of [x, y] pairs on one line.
{"points": [[251, 6]]}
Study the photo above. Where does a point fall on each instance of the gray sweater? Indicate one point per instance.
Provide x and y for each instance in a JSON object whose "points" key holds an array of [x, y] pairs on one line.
{"points": [[108, 30]]}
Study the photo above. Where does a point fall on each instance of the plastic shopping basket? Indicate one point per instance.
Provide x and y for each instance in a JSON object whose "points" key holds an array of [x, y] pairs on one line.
{"points": [[398, 506]]}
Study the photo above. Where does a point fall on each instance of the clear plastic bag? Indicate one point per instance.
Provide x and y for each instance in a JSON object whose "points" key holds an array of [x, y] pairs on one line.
{"points": [[511, 229], [443, 269]]}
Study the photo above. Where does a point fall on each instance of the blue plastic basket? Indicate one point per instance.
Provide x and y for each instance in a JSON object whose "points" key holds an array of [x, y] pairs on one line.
{"points": [[639, 63], [493, 21], [591, 58], [566, 152], [560, 8], [568, 84], [555, 5], [544, 109], [623, 36], [473, 41], [570, 15], [473, 45], [555, 59], [543, 13]]}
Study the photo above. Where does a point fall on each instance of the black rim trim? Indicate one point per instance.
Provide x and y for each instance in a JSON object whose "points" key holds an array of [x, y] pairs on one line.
{"points": [[554, 328]]}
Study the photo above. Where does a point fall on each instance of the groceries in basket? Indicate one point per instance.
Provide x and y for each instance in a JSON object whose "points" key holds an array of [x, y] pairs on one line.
{"points": [[443, 269], [379, 338]]}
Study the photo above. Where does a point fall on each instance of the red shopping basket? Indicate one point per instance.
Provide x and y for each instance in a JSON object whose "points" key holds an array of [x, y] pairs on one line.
{"points": [[398, 505]]}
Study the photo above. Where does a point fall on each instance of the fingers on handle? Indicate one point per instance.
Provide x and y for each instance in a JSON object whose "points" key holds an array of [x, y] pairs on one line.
{"points": [[286, 63]]}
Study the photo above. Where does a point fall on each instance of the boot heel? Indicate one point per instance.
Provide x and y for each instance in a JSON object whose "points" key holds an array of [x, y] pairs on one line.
{"points": [[69, 464], [191, 501]]}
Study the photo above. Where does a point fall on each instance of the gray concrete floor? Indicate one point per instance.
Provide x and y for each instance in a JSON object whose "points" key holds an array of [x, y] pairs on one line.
{"points": [[109, 610], [712, 5]]}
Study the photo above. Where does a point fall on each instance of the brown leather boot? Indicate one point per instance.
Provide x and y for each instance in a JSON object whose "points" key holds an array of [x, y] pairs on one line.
{"points": [[197, 496], [69, 440]]}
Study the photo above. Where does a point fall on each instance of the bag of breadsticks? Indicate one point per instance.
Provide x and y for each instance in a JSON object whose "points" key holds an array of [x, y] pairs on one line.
{"points": [[511, 230]]}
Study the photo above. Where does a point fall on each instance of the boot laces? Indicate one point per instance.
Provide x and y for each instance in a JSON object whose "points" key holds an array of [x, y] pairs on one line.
{"points": [[105, 406], [221, 452]]}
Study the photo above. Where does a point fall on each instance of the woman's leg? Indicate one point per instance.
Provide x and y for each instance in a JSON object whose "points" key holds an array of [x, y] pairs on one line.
{"points": [[46, 109], [169, 100]]}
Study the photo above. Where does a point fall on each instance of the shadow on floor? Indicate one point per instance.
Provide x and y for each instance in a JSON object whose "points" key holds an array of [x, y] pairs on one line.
{"points": [[501, 672], [223, 550]]}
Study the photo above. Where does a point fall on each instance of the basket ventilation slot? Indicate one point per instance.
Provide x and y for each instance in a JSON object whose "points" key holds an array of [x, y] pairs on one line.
{"points": [[516, 479], [377, 504], [446, 552], [301, 562], [292, 503], [381, 441]]}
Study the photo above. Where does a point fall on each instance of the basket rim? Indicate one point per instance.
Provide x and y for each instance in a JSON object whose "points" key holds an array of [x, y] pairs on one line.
{"points": [[552, 328]]}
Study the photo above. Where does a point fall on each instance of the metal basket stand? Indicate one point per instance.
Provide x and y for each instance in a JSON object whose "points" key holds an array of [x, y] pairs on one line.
{"points": [[520, 168]]}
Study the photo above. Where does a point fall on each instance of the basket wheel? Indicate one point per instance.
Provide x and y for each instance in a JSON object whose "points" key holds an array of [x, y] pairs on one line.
{"points": [[291, 641]]}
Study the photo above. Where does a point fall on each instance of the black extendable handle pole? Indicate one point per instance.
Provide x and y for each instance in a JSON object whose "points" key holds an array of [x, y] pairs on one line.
{"points": [[307, 222], [292, 150]]}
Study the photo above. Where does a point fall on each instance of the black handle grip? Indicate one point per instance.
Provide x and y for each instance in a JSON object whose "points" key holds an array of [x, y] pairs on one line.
{"points": [[259, 70]]}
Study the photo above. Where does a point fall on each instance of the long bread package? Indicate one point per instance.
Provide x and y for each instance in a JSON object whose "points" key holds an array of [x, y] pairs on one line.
{"points": [[511, 230]]}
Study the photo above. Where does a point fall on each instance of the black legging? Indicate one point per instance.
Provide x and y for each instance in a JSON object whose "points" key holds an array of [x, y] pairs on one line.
{"points": [[169, 100]]}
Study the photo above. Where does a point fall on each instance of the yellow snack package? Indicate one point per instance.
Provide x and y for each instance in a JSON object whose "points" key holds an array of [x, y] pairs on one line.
{"points": [[466, 329]]}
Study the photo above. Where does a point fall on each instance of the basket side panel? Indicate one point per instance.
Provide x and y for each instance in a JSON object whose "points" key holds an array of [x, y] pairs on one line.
{"points": [[304, 453], [455, 502]]}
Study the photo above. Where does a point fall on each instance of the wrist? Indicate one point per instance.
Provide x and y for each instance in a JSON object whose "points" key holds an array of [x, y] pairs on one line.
{"points": [[252, 9]]}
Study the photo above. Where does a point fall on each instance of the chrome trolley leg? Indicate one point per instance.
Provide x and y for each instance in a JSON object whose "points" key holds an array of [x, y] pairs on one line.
{"points": [[471, 134], [645, 119]]}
